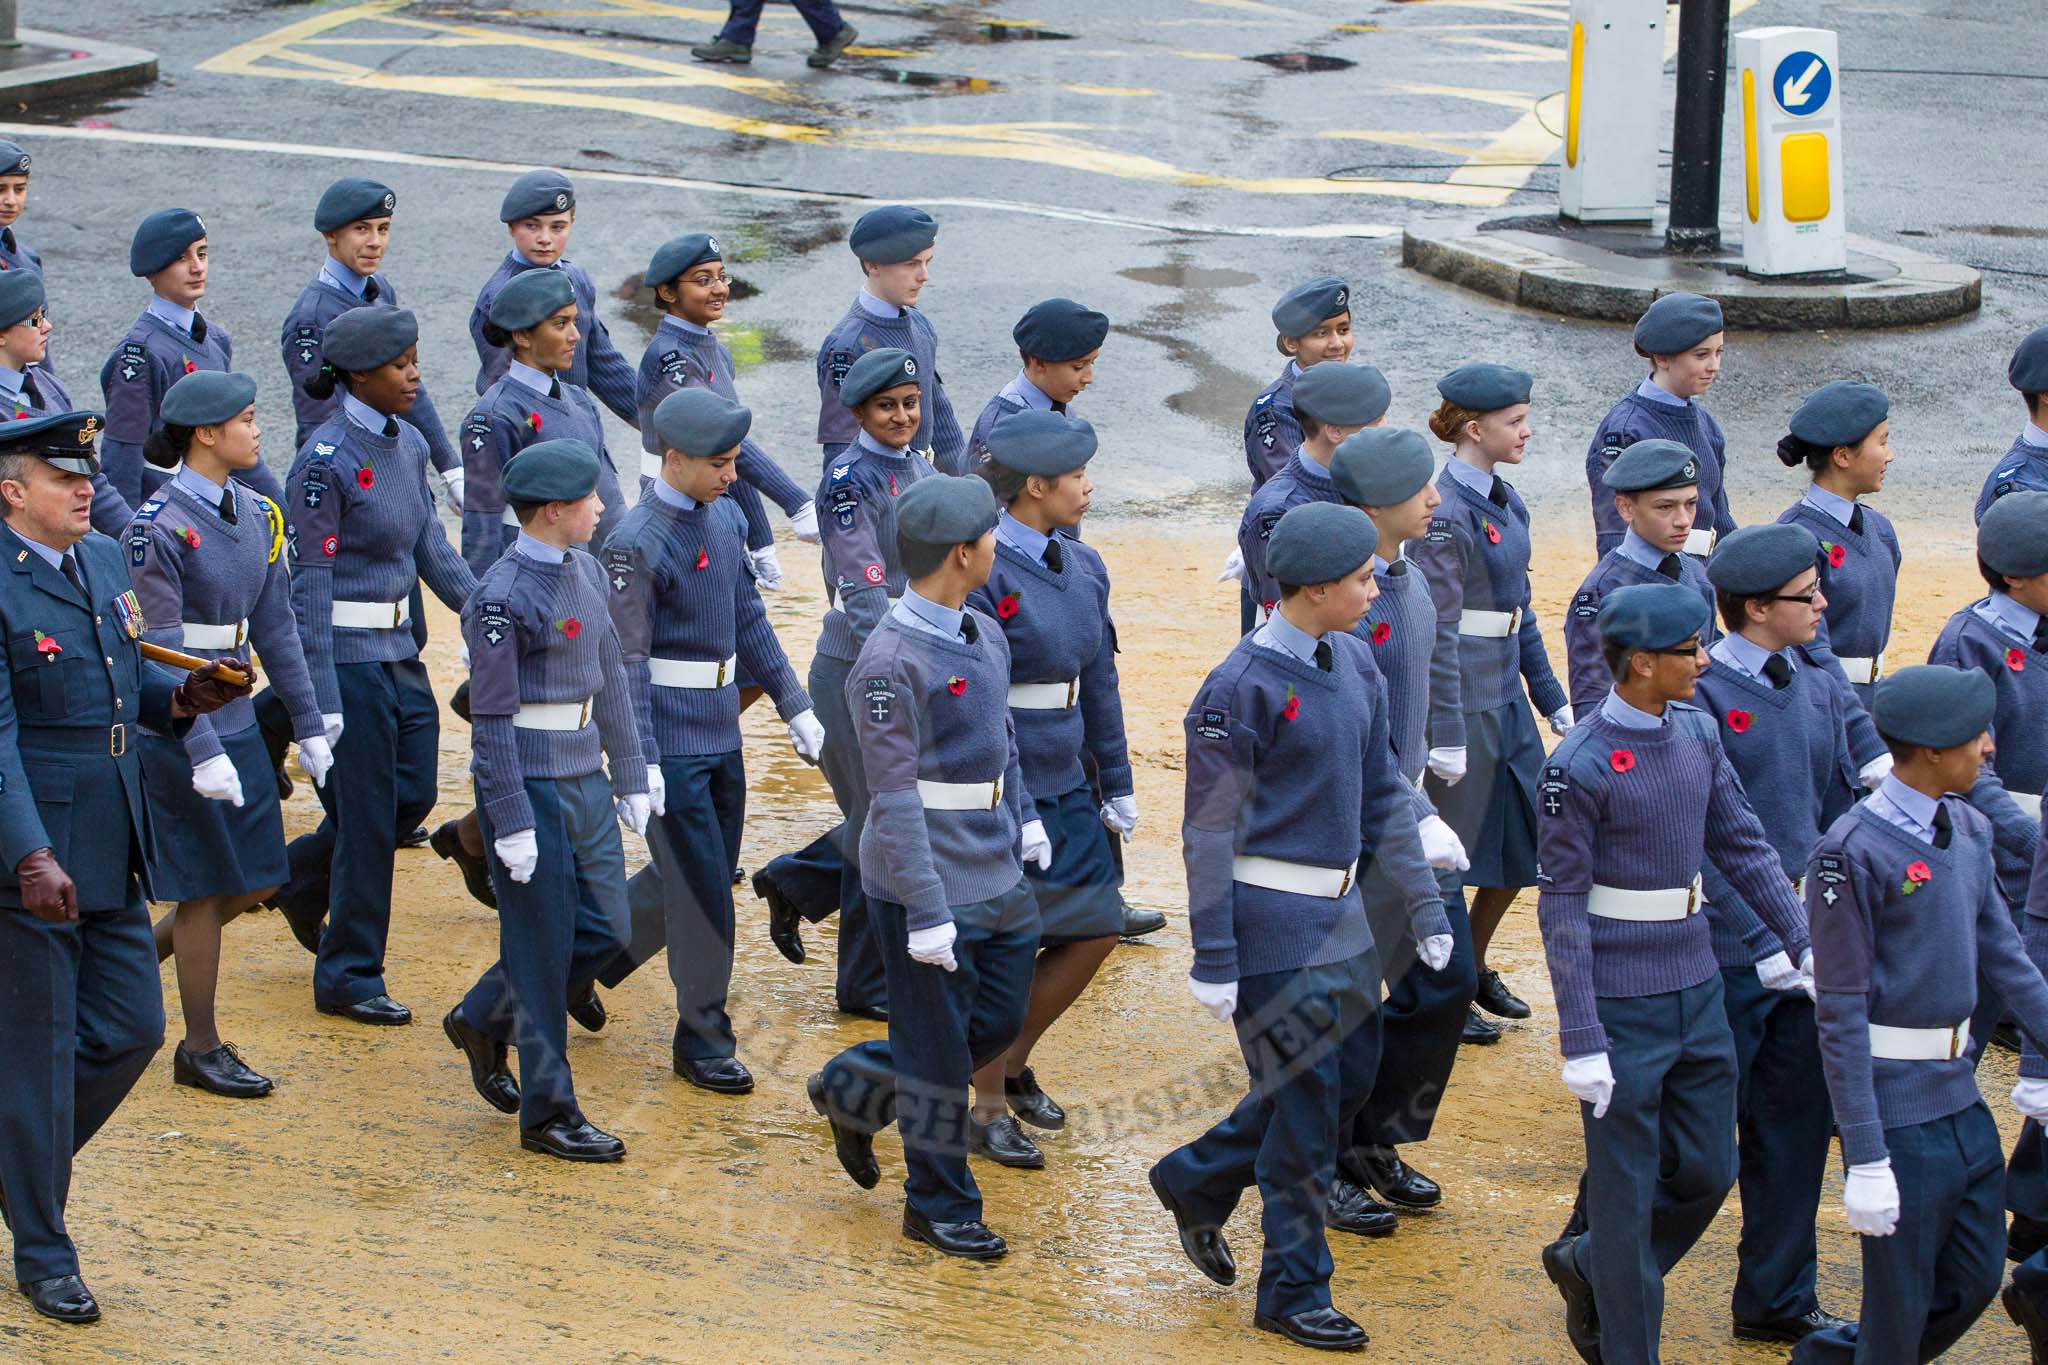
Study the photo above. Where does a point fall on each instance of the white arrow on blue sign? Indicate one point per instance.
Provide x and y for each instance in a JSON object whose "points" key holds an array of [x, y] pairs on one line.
{"points": [[1802, 83]]}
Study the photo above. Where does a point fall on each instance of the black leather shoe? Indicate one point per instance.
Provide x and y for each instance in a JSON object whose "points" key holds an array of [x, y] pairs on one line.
{"points": [[275, 747], [1323, 1328], [1478, 1033], [378, 1009], [1003, 1142], [1792, 1329], [2031, 1320], [304, 924], [785, 923], [572, 1139], [2025, 1237], [1138, 923], [1204, 1246], [221, 1071], [1031, 1104], [487, 1069], [1581, 1318], [416, 839], [739, 874], [1397, 1182], [476, 873], [878, 1013], [64, 1298], [589, 1011], [724, 1075], [2006, 1036], [969, 1241], [855, 1149], [1355, 1211], [829, 50], [1496, 999]]}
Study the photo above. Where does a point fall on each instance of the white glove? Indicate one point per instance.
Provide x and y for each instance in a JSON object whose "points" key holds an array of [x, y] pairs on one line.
{"points": [[462, 653], [1120, 813], [1871, 1195], [451, 483], [217, 780], [1233, 567], [1219, 1000], [1442, 846], [2030, 1097], [1448, 764], [807, 737], [804, 521], [1778, 974], [316, 756], [520, 853], [657, 790], [1806, 976], [767, 568], [1591, 1079], [934, 946], [330, 721], [1875, 771], [633, 812], [1034, 846], [1561, 721], [1435, 951]]}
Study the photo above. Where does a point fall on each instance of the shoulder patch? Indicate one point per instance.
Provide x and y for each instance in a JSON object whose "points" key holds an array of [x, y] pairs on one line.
{"points": [[878, 697], [1267, 521], [477, 427], [618, 567], [1439, 529], [149, 509], [837, 363], [315, 482], [1214, 724], [138, 546], [494, 622], [1830, 868], [1586, 604]]}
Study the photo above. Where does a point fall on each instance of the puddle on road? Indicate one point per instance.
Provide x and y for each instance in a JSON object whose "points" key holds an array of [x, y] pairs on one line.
{"points": [[1179, 276], [1217, 397], [1295, 63], [1003, 31], [929, 82], [2000, 230]]}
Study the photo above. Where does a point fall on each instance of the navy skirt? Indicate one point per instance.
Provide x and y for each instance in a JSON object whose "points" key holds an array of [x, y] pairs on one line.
{"points": [[1078, 897], [1493, 808], [206, 847]]}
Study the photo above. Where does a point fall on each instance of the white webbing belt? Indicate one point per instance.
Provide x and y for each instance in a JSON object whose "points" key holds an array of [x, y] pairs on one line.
{"points": [[1919, 1044], [366, 615], [1303, 879], [553, 715], [1611, 902], [1700, 541], [199, 635], [960, 795], [691, 672], [1054, 696], [1862, 672], [1491, 625]]}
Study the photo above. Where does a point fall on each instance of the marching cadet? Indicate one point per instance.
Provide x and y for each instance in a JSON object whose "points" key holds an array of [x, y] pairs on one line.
{"points": [[1049, 595], [1057, 341], [1783, 717], [687, 275], [735, 41], [362, 533], [86, 1007], [863, 574], [1656, 492], [535, 317], [2026, 1174], [1291, 784], [1484, 752], [894, 244], [15, 254], [2026, 464], [1680, 335], [1907, 919], [169, 341], [207, 559], [1330, 403], [29, 387], [687, 618], [942, 855], [354, 215], [1634, 799], [538, 212], [1388, 474], [548, 692]]}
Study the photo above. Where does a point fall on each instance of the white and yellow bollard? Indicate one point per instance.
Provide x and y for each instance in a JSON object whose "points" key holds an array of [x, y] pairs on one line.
{"points": [[1789, 83], [1611, 120]]}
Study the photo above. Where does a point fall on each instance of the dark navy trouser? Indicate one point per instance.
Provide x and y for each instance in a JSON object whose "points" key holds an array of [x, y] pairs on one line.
{"points": [[821, 15], [1421, 1019], [2026, 1194]]}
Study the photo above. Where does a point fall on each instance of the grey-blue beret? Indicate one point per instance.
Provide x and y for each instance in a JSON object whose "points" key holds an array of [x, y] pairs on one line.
{"points": [[1934, 706], [1677, 322], [162, 239], [1652, 464], [1038, 441], [536, 193], [206, 398], [1319, 542], [1307, 304], [700, 423], [21, 293], [13, 160], [350, 201], [2012, 540], [530, 298], [63, 439], [1652, 615], [945, 509], [892, 234], [364, 338], [1840, 414], [1380, 466], [678, 254], [1059, 329], [1342, 395], [1481, 387], [2029, 369], [882, 368], [551, 471], [1762, 558]]}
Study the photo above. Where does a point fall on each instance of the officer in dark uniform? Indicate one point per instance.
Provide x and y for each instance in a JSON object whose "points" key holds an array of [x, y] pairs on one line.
{"points": [[84, 1011]]}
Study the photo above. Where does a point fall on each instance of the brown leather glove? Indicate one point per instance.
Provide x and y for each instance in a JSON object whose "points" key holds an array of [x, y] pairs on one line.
{"points": [[46, 889], [204, 690]]}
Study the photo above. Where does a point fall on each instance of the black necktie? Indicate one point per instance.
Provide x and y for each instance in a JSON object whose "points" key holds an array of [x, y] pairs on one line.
{"points": [[370, 291], [554, 388], [1397, 569], [1053, 558], [1498, 494], [227, 506], [1856, 520], [2041, 634], [968, 630], [1059, 406], [7, 238], [30, 391], [198, 328], [1324, 657], [1778, 669], [391, 426], [1668, 566], [1944, 828], [69, 564]]}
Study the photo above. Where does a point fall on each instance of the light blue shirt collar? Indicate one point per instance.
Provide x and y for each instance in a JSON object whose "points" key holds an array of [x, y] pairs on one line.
{"points": [[1649, 389], [1743, 654], [2020, 619], [875, 307], [362, 414], [675, 497], [342, 278], [2033, 436], [538, 380], [874, 447], [1478, 480], [926, 614], [1293, 370], [53, 558], [1020, 537], [1641, 551], [10, 382], [1379, 566], [201, 487], [1027, 393], [177, 314], [1626, 716], [1834, 504], [1910, 810], [683, 325], [537, 550], [1284, 637], [1309, 468]]}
